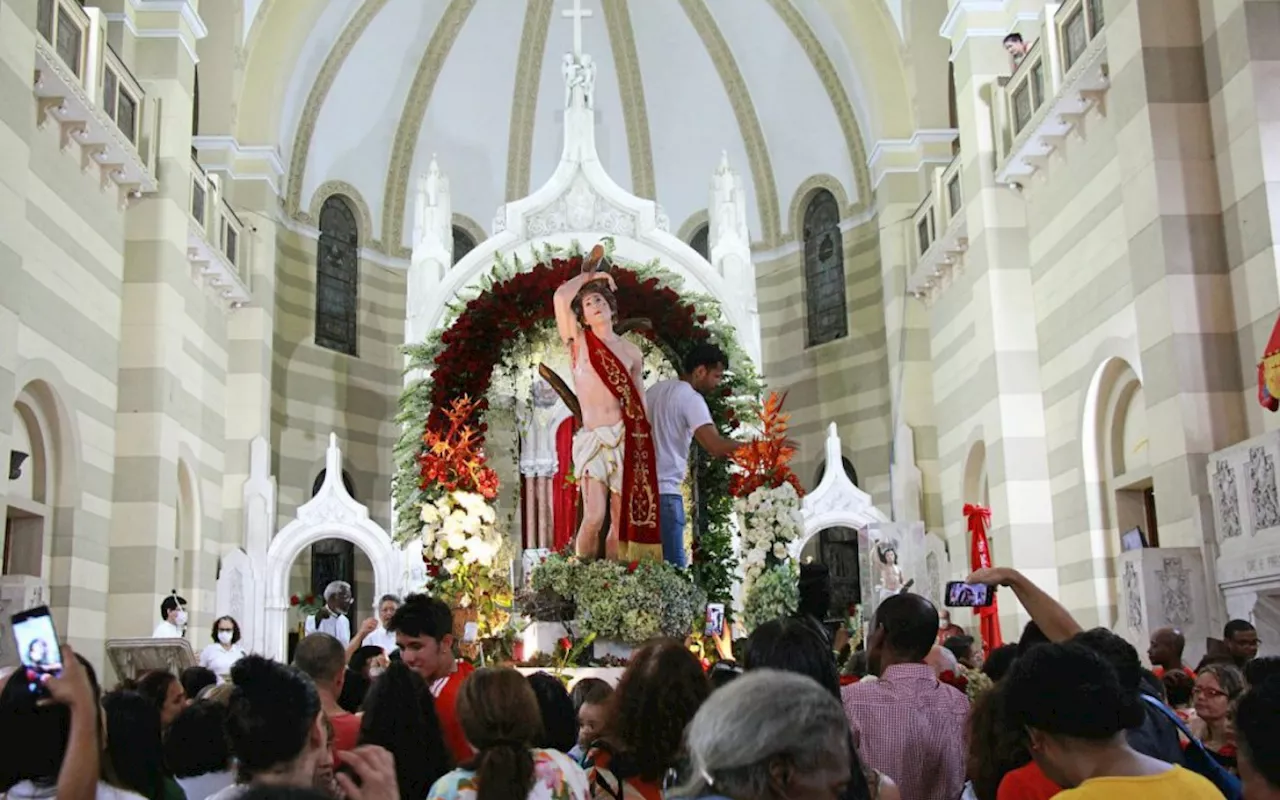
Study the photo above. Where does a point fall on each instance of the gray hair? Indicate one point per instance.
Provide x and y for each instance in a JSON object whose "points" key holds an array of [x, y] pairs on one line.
{"points": [[336, 587], [759, 717], [389, 598]]}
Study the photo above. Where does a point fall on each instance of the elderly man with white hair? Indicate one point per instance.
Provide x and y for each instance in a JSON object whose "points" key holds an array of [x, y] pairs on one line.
{"points": [[332, 619]]}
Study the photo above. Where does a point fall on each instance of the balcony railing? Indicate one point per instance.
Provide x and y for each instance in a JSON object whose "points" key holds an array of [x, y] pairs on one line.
{"points": [[1062, 77], [940, 234], [216, 243], [83, 85]]}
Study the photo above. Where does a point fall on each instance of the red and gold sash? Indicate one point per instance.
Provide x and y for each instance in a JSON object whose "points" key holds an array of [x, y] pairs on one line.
{"points": [[640, 534]]}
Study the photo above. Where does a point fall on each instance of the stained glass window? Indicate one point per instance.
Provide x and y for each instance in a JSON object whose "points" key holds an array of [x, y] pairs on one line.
{"points": [[824, 270], [463, 243], [700, 241], [337, 276]]}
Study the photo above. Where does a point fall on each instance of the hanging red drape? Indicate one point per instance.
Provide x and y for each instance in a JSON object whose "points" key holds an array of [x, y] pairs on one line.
{"points": [[980, 558], [564, 495]]}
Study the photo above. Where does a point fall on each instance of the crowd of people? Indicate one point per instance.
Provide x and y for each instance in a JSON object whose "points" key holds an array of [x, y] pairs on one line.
{"points": [[393, 713]]}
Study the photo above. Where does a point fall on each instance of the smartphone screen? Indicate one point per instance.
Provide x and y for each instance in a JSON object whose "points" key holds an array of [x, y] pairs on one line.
{"points": [[715, 619], [968, 595], [38, 649]]}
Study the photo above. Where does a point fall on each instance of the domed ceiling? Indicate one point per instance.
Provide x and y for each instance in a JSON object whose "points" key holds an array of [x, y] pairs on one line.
{"points": [[382, 85]]}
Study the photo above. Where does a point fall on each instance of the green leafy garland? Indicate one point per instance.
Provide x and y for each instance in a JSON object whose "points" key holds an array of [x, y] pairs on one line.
{"points": [[518, 317]]}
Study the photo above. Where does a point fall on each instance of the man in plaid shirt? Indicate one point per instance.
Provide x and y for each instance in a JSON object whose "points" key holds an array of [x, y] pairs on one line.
{"points": [[908, 724]]}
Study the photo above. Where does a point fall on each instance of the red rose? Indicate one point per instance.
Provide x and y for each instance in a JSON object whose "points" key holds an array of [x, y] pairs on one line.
{"points": [[433, 570], [566, 644], [294, 600], [311, 599], [632, 567]]}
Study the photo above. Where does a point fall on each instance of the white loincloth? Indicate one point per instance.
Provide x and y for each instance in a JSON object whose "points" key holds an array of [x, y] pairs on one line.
{"points": [[598, 454]]}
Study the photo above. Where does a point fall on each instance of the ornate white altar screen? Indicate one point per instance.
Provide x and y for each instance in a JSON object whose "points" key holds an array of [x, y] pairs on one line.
{"points": [[582, 203]]}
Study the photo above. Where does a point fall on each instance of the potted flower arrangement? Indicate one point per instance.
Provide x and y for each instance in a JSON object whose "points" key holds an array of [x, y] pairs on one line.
{"points": [[465, 553], [307, 606], [618, 603], [767, 501]]}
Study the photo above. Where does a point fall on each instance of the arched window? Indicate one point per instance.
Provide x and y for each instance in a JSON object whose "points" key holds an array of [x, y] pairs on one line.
{"points": [[701, 241], [337, 276], [463, 243], [824, 270]]}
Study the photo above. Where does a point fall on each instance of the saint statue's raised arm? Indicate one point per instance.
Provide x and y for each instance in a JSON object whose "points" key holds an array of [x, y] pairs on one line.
{"points": [[614, 461]]}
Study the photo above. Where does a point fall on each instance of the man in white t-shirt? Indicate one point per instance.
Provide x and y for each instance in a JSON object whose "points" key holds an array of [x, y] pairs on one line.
{"points": [[679, 414], [332, 619], [374, 631]]}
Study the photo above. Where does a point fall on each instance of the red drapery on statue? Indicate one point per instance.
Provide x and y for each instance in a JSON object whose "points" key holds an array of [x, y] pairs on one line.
{"points": [[564, 495], [980, 558]]}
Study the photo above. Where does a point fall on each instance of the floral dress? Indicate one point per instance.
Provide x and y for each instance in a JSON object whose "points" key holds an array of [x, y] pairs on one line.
{"points": [[555, 777]]}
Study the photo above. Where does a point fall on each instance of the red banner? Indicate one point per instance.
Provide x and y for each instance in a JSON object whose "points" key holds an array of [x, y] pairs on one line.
{"points": [[980, 558]]}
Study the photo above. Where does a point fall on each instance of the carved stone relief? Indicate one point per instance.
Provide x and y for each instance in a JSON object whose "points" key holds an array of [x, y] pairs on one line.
{"points": [[581, 209], [934, 576], [1228, 501], [1132, 596], [1264, 506], [1175, 593]]}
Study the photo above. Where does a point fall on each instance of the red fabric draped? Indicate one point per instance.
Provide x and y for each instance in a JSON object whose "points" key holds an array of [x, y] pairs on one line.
{"points": [[980, 558], [639, 535], [564, 494]]}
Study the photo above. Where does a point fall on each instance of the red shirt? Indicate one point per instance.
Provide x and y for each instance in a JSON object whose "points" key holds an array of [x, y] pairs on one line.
{"points": [[1027, 783], [446, 693], [346, 730]]}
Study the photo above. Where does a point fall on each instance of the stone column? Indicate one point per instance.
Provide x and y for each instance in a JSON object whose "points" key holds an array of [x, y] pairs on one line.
{"points": [[173, 360], [1158, 105], [985, 346], [1242, 69]]}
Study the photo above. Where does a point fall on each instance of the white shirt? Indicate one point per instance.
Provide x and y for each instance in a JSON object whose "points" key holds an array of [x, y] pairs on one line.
{"points": [[382, 638], [337, 626], [202, 786], [26, 790], [220, 661], [676, 410], [167, 630]]}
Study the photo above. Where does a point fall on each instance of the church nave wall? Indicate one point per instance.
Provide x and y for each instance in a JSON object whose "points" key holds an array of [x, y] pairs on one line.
{"points": [[316, 391], [844, 381]]}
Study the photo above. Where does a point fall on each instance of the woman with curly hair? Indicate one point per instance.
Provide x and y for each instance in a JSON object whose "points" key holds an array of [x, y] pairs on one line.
{"points": [[1218, 687], [643, 749]]}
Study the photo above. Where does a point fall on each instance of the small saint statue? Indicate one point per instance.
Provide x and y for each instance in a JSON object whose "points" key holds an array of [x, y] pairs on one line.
{"points": [[892, 581]]}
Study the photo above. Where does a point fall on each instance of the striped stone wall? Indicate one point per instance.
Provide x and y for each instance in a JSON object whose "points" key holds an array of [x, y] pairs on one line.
{"points": [[845, 381], [61, 276], [316, 391], [1241, 42]]}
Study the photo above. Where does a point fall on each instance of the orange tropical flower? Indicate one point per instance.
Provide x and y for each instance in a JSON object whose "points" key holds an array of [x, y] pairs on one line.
{"points": [[764, 461], [454, 458]]}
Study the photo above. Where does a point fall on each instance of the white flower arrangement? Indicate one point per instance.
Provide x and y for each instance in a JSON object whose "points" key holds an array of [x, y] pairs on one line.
{"points": [[459, 530], [771, 521]]}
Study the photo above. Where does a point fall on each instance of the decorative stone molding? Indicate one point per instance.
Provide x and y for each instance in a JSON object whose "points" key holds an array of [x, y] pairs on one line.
{"points": [[939, 255]]}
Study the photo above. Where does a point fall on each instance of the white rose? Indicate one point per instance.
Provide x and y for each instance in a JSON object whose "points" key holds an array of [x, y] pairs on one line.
{"points": [[430, 515], [779, 550], [450, 565], [488, 515], [471, 524], [440, 551], [456, 539], [465, 601]]}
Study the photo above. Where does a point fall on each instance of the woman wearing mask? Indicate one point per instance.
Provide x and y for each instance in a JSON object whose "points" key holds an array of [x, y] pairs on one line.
{"points": [[173, 618], [225, 650]]}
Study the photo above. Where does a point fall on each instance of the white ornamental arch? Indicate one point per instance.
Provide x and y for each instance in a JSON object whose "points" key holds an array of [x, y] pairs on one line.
{"points": [[582, 203], [331, 514], [836, 503]]}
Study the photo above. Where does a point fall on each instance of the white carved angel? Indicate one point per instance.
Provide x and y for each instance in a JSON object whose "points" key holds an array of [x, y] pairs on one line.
{"points": [[579, 74]]}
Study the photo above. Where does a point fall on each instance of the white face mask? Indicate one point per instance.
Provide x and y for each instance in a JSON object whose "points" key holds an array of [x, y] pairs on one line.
{"points": [[376, 671], [180, 619], [225, 636]]}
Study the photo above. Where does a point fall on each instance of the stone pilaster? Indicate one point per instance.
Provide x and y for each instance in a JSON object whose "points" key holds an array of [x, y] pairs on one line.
{"points": [[987, 383], [1159, 107]]}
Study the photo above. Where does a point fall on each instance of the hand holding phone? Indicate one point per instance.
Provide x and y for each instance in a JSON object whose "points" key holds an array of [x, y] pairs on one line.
{"points": [[968, 595], [715, 619], [38, 649]]}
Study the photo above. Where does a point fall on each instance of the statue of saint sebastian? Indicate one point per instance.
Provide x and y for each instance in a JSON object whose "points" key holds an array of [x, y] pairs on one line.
{"points": [[614, 461]]}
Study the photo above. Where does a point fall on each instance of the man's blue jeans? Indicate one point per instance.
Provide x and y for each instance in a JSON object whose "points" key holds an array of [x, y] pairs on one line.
{"points": [[671, 516]]}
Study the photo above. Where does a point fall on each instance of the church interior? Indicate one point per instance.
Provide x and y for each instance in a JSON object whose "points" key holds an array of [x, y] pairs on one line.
{"points": [[982, 278]]}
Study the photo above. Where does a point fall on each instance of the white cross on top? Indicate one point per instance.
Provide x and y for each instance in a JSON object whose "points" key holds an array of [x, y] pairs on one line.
{"points": [[577, 14]]}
